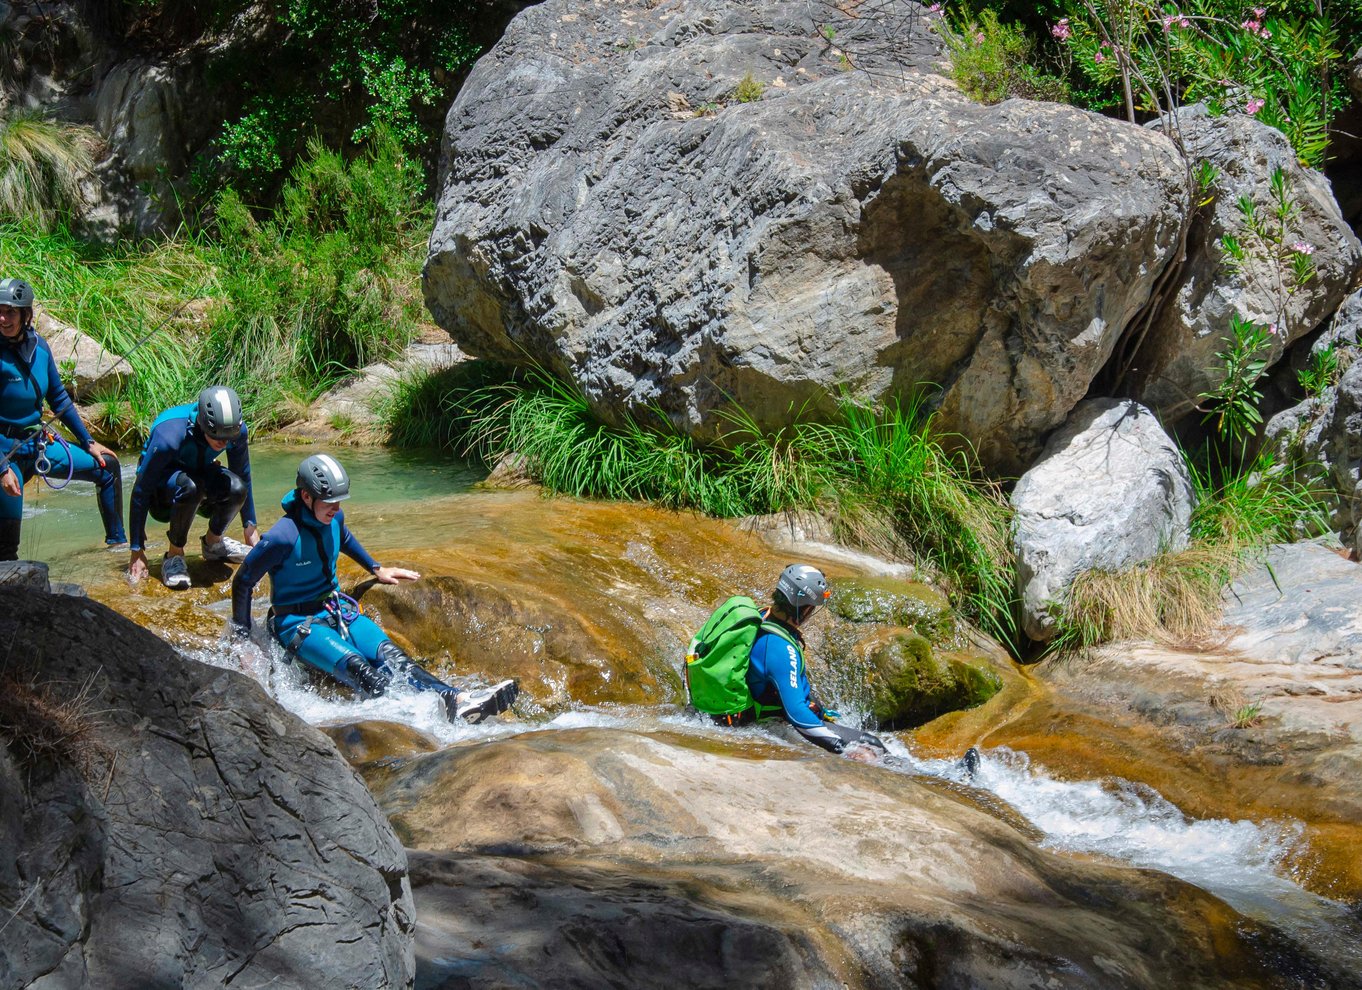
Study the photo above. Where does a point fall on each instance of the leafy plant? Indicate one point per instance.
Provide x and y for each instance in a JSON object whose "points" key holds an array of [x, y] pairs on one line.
{"points": [[1277, 64], [1247, 716], [1320, 373], [749, 90], [992, 61], [1233, 404]]}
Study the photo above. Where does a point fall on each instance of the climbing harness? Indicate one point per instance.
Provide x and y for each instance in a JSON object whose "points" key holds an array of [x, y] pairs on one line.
{"points": [[341, 610]]}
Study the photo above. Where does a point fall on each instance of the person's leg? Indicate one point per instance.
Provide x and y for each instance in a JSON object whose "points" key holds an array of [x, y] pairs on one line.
{"points": [[371, 641], [11, 517], [108, 481], [325, 649], [223, 496], [183, 496]]}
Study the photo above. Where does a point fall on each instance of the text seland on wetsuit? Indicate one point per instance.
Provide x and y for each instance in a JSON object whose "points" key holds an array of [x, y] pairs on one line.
{"points": [[28, 377], [174, 445], [775, 676]]}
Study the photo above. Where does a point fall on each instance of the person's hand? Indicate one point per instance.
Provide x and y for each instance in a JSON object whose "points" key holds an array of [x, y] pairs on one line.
{"points": [[137, 566], [393, 575], [250, 535], [9, 484], [98, 451]]}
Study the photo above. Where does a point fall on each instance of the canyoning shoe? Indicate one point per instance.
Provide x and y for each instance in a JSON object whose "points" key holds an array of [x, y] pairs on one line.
{"points": [[969, 763], [228, 549], [478, 705], [174, 572]]}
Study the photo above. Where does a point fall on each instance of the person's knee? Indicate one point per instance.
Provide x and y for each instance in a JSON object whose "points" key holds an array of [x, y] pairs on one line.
{"points": [[186, 491], [113, 466], [236, 488]]}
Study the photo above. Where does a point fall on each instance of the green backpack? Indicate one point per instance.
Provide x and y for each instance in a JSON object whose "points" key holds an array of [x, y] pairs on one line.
{"points": [[717, 659]]}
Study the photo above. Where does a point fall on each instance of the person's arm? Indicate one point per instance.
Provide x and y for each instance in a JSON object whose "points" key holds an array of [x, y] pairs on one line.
{"points": [[272, 550], [785, 668], [239, 463], [156, 463], [352, 548], [60, 400]]}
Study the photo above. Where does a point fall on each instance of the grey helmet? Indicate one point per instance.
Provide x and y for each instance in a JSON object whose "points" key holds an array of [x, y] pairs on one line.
{"points": [[219, 413], [16, 293], [802, 586], [321, 476]]}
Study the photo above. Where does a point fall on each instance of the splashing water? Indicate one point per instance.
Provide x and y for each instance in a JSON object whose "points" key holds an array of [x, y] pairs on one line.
{"points": [[1238, 861]]}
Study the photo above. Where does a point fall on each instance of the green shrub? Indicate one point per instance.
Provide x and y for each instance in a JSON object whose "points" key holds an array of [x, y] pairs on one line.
{"points": [[749, 90], [993, 62]]}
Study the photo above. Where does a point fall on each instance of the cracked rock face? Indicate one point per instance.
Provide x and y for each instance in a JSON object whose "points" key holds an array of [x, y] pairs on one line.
{"points": [[213, 838], [613, 210]]}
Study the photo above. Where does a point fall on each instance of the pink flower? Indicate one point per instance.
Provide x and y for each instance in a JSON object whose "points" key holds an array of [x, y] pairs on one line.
{"points": [[1175, 20], [1099, 57], [1254, 105], [1062, 31], [1251, 26], [1272, 329], [934, 8], [1258, 12], [979, 38], [1302, 247]]}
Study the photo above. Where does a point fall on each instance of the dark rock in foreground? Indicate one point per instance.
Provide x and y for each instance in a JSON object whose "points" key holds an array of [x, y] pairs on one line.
{"points": [[193, 834]]}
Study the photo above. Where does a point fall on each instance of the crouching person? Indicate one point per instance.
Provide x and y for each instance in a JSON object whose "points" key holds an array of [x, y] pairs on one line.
{"points": [[312, 619]]}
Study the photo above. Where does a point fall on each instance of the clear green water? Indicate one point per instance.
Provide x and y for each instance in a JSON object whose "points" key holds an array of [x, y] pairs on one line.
{"points": [[60, 526]]}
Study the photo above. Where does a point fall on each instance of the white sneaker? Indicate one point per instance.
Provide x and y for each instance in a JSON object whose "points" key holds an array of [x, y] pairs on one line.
{"points": [[478, 705], [228, 549], [174, 572]]}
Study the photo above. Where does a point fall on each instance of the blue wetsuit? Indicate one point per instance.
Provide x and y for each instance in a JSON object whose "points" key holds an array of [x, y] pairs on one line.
{"points": [[299, 554], [28, 378], [776, 678], [178, 475]]}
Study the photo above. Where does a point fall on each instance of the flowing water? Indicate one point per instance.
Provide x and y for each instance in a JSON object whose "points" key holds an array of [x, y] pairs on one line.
{"points": [[1242, 862]]}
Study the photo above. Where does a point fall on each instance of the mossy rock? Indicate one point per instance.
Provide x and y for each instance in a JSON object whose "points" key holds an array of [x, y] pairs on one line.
{"points": [[911, 684], [893, 602]]}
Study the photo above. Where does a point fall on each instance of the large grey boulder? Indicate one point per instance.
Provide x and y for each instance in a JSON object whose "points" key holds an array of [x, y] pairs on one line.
{"points": [[1110, 490], [610, 209], [1177, 360], [190, 834], [84, 364]]}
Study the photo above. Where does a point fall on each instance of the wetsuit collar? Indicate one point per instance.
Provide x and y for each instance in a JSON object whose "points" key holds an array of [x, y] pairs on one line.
{"points": [[293, 506]]}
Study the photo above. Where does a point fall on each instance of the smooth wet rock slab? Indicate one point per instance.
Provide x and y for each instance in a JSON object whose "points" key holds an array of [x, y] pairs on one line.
{"points": [[831, 871]]}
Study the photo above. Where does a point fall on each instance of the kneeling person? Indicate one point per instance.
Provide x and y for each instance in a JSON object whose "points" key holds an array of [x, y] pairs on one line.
{"points": [[178, 476], [299, 553]]}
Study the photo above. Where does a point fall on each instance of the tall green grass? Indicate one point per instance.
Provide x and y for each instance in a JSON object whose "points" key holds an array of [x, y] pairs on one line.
{"points": [[884, 476], [281, 304], [42, 162]]}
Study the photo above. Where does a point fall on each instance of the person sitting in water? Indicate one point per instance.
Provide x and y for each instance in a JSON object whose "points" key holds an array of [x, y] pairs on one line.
{"points": [[309, 616], [28, 378], [178, 476], [775, 671]]}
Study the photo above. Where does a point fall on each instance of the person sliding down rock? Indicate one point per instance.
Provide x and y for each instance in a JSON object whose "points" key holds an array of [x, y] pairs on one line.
{"points": [[736, 683], [312, 619]]}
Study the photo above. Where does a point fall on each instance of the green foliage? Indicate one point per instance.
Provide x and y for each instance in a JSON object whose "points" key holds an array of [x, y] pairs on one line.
{"points": [[314, 288], [1278, 62], [41, 165], [279, 305], [1250, 508], [1233, 404], [344, 70], [992, 61], [749, 90], [1321, 373]]}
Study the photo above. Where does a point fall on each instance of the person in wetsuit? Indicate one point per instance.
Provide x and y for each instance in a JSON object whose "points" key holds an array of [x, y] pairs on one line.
{"points": [[28, 378], [178, 476], [313, 621], [775, 671]]}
